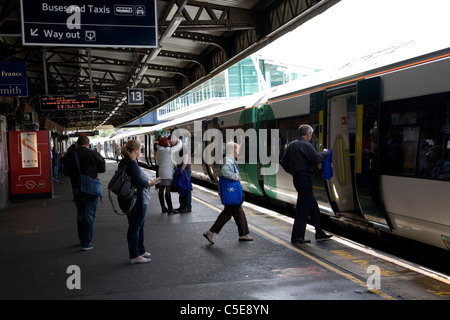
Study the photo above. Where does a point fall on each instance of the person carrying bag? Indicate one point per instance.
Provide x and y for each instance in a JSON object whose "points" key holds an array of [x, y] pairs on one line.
{"points": [[233, 204], [231, 193], [83, 165], [136, 215]]}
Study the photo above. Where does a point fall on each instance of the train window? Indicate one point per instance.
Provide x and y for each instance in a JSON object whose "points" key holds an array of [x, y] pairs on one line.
{"points": [[416, 140], [289, 130]]}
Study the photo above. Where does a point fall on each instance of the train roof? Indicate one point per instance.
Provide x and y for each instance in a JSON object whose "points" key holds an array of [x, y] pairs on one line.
{"points": [[357, 71], [229, 106], [297, 87]]}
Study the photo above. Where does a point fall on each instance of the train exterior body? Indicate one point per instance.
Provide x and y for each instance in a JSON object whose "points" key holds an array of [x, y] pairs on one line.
{"points": [[389, 130]]}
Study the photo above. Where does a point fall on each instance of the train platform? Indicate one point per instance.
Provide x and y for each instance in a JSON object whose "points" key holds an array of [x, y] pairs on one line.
{"points": [[42, 260]]}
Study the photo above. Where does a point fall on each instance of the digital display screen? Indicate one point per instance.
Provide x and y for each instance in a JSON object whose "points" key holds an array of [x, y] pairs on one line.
{"points": [[72, 102]]}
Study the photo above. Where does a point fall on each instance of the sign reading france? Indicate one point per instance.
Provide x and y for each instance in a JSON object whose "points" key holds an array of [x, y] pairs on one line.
{"points": [[13, 79]]}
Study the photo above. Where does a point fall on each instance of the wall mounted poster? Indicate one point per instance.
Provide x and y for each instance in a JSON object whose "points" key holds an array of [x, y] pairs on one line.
{"points": [[30, 164]]}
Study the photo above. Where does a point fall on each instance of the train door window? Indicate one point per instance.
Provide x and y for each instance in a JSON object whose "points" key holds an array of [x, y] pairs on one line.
{"points": [[416, 140]]}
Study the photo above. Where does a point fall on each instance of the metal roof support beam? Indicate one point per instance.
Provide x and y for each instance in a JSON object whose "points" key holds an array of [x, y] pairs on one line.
{"points": [[44, 63], [90, 71], [221, 33]]}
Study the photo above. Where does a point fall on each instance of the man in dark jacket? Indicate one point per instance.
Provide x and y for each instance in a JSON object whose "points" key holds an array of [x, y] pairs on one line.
{"points": [[91, 163], [303, 158]]}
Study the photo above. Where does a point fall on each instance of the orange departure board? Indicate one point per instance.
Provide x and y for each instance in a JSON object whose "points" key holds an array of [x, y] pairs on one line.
{"points": [[70, 102]]}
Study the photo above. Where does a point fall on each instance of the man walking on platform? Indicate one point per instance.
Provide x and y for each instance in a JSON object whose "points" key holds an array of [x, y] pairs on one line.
{"points": [[302, 159], [90, 164]]}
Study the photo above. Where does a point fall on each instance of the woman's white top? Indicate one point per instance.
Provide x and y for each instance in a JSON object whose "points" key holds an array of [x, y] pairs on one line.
{"points": [[164, 160]]}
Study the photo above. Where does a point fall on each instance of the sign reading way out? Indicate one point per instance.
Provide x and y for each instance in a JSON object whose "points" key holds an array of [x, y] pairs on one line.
{"points": [[96, 23]]}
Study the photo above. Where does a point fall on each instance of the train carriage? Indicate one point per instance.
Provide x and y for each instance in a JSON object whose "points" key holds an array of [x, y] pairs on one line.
{"points": [[383, 127], [389, 130]]}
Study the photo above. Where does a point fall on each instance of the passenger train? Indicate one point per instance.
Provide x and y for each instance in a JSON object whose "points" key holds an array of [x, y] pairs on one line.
{"points": [[388, 128]]}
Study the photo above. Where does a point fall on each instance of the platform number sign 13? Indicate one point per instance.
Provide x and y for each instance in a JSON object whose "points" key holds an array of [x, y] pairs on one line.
{"points": [[136, 96]]}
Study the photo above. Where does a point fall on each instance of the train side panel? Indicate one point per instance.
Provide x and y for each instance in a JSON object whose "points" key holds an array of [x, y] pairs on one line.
{"points": [[416, 117]]}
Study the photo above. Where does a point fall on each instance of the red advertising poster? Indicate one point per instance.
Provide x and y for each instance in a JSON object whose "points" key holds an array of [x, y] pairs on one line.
{"points": [[30, 164]]}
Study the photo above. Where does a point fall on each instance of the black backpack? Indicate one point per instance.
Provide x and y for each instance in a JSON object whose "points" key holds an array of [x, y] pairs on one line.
{"points": [[285, 162], [122, 186]]}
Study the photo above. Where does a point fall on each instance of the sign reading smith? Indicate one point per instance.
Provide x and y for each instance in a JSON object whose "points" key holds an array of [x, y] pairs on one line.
{"points": [[13, 79], [92, 23]]}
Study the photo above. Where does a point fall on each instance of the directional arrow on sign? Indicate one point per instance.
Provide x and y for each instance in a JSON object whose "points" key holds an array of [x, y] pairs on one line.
{"points": [[33, 32], [90, 35]]}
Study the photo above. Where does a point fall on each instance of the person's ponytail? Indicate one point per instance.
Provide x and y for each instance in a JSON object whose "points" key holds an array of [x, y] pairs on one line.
{"points": [[128, 148]]}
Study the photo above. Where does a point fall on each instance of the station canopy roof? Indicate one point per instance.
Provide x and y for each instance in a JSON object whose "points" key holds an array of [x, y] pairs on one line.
{"points": [[197, 39]]}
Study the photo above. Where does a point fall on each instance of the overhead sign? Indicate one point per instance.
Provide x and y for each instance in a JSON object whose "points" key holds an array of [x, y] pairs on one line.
{"points": [[72, 102], [83, 133], [97, 23], [136, 96], [13, 79]]}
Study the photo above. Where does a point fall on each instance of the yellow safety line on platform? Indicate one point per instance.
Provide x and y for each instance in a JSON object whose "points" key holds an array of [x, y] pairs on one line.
{"points": [[322, 263], [307, 255]]}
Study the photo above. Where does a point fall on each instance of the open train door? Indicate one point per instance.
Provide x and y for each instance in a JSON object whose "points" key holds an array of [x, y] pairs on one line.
{"points": [[352, 123], [367, 175], [340, 186]]}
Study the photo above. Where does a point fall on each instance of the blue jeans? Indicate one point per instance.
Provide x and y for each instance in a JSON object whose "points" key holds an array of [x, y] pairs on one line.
{"points": [[306, 206], [186, 200], [86, 209], [55, 171], [135, 234]]}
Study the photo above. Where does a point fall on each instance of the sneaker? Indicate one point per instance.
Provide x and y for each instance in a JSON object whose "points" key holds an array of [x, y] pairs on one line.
{"points": [[209, 236], [323, 237], [88, 247], [139, 259], [146, 255]]}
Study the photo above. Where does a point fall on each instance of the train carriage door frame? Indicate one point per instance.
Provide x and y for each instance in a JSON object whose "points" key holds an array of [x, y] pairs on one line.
{"points": [[318, 119], [367, 174], [211, 170], [318, 104], [340, 186], [250, 171]]}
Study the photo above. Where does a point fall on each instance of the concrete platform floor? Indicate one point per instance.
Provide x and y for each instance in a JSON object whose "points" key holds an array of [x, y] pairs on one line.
{"points": [[39, 246]]}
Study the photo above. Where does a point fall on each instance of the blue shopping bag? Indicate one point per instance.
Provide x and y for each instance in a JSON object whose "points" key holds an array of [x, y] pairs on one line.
{"points": [[230, 192], [327, 166]]}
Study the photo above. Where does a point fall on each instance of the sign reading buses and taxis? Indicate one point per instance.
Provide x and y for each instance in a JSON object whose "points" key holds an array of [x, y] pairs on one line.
{"points": [[92, 23]]}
